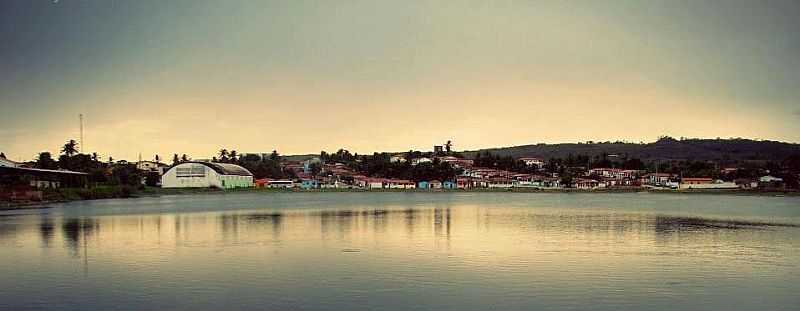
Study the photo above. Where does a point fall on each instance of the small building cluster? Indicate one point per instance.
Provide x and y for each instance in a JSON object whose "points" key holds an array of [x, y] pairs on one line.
{"points": [[314, 173], [441, 169], [317, 173], [20, 182]]}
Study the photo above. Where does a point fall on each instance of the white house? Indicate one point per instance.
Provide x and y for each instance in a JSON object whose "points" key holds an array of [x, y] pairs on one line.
{"points": [[416, 161], [397, 158], [374, 183], [283, 183], [150, 166], [400, 184], [657, 178], [539, 162], [705, 183], [207, 175]]}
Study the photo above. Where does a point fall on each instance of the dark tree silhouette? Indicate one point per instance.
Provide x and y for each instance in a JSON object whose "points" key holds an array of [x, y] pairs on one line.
{"points": [[70, 148], [45, 161]]}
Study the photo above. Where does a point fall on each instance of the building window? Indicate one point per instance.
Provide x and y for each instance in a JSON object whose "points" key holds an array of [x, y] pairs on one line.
{"points": [[194, 170]]}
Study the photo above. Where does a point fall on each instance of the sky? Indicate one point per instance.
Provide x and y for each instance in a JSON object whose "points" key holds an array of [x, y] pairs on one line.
{"points": [[165, 77]]}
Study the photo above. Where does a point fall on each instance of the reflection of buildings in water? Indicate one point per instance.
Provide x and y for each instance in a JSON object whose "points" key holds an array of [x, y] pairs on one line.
{"points": [[411, 216], [418, 228], [623, 227], [229, 226], [158, 228], [182, 225], [46, 230], [442, 218], [274, 220], [448, 222], [442, 221], [76, 231], [380, 220], [438, 218], [422, 224], [619, 224], [343, 220]]}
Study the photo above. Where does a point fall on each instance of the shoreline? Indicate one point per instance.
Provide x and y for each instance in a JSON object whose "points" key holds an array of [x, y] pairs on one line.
{"points": [[158, 192]]}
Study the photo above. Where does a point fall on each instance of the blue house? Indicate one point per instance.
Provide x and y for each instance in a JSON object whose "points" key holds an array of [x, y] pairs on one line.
{"points": [[310, 184], [449, 185], [423, 185]]}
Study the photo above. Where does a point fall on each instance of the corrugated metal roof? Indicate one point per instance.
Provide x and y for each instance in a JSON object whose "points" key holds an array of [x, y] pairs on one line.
{"points": [[44, 170], [222, 168], [231, 169]]}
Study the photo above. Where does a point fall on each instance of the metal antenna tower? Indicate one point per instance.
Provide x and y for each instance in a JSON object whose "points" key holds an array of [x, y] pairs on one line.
{"points": [[81, 144]]}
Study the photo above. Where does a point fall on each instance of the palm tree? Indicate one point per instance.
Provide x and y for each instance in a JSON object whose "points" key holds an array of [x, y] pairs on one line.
{"points": [[223, 155], [233, 155], [70, 148], [175, 159], [184, 158]]}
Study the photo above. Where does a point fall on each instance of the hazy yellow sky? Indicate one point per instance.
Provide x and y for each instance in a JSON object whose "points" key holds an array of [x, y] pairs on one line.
{"points": [[155, 77]]}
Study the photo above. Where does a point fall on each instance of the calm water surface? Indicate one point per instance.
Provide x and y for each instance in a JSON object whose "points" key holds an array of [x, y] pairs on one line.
{"points": [[405, 251]]}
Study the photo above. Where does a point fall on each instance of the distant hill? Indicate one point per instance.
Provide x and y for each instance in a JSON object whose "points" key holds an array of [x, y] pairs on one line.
{"points": [[663, 149]]}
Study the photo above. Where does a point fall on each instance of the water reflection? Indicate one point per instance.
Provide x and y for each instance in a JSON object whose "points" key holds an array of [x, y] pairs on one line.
{"points": [[415, 222], [451, 254], [8, 230], [76, 232], [272, 220], [666, 224], [46, 230], [434, 222]]}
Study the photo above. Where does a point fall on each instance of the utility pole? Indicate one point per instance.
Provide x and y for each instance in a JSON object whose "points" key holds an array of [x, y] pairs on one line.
{"points": [[81, 144]]}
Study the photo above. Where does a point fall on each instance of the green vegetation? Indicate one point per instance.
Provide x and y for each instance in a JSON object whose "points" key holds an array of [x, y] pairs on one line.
{"points": [[379, 165], [261, 166], [99, 192], [665, 148]]}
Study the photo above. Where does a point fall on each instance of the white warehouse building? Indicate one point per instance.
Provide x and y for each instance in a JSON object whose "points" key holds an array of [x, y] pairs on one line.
{"points": [[207, 175]]}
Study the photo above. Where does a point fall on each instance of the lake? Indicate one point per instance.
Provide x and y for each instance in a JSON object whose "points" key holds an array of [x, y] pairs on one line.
{"points": [[405, 251]]}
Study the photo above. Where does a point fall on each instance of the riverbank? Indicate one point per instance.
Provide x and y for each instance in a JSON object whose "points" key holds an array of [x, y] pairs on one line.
{"points": [[71, 194]]}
